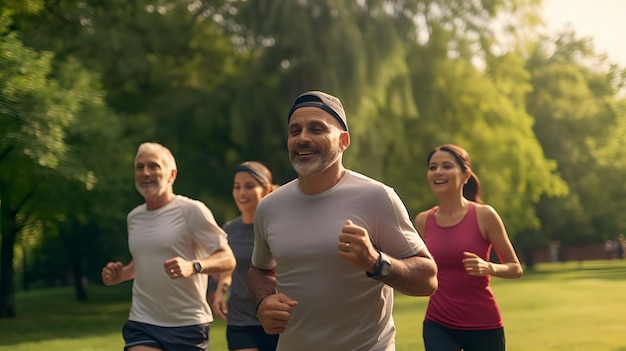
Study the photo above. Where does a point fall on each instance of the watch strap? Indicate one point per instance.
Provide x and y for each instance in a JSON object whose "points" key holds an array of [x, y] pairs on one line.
{"points": [[379, 267]]}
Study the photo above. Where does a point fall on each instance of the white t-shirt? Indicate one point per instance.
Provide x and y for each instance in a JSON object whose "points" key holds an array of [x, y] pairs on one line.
{"points": [[184, 228], [340, 308]]}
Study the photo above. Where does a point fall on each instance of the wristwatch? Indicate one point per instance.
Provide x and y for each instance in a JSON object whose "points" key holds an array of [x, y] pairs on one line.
{"points": [[382, 269], [197, 267]]}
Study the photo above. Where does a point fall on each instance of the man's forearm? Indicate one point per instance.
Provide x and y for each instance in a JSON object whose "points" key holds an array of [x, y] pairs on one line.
{"points": [[413, 276], [261, 283], [220, 261]]}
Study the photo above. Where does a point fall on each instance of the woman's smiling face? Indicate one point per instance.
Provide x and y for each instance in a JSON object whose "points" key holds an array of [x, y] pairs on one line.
{"points": [[445, 174], [247, 192]]}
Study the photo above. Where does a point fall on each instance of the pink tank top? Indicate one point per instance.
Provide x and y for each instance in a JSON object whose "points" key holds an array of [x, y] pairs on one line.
{"points": [[461, 301]]}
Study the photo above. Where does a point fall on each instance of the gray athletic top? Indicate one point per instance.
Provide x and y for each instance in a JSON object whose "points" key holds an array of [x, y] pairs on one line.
{"points": [[340, 308], [186, 228], [241, 309]]}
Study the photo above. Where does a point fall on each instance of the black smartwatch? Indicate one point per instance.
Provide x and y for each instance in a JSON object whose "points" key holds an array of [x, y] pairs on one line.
{"points": [[197, 267], [382, 269]]}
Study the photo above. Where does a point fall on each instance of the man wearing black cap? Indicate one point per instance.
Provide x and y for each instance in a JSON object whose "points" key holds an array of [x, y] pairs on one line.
{"points": [[331, 245]]}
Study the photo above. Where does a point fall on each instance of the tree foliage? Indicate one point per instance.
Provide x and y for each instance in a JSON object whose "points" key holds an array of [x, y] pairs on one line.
{"points": [[578, 121], [82, 83], [50, 113]]}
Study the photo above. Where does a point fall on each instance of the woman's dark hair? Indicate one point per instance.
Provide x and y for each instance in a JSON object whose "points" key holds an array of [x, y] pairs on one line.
{"points": [[471, 189]]}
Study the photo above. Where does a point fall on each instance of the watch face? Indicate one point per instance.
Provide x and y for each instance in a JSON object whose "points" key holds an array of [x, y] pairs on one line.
{"points": [[385, 269], [385, 266], [197, 267]]}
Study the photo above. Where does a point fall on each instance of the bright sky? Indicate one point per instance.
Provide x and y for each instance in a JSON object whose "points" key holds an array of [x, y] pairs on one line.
{"points": [[602, 20]]}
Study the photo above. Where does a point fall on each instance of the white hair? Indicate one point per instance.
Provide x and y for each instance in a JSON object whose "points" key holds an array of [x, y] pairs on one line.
{"points": [[166, 154]]}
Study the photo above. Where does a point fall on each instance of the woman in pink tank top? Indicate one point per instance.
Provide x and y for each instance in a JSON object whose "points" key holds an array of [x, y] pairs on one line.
{"points": [[460, 232]]}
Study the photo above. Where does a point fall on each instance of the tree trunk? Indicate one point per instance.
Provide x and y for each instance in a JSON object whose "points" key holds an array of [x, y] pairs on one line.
{"points": [[77, 275], [529, 259], [9, 230], [25, 274]]}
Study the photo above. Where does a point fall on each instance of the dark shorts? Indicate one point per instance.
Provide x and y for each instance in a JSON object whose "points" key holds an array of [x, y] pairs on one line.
{"points": [[188, 338], [440, 338], [249, 338]]}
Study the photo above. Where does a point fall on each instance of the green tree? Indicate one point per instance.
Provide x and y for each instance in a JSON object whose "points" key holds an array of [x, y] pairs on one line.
{"points": [[166, 68], [350, 49], [41, 109], [611, 159], [470, 93], [577, 121], [408, 75], [33, 115]]}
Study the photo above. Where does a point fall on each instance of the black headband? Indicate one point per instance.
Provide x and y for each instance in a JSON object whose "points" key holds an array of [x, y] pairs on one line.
{"points": [[321, 105], [257, 175]]}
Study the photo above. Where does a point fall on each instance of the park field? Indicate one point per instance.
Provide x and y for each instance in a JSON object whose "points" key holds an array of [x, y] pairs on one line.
{"points": [[568, 306]]}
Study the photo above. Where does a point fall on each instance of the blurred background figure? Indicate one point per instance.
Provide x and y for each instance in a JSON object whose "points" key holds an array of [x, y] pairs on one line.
{"points": [[619, 247], [555, 250]]}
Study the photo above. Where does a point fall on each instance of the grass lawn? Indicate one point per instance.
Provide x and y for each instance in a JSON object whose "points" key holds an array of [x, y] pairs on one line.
{"points": [[560, 306]]}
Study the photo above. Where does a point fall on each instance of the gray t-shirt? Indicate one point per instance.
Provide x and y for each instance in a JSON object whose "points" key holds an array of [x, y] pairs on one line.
{"points": [[340, 308], [184, 228], [241, 309]]}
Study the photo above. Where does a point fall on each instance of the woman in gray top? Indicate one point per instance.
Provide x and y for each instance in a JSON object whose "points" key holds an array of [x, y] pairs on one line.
{"points": [[252, 181]]}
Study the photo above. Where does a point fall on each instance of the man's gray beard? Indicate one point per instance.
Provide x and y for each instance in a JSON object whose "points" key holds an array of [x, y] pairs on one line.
{"points": [[147, 191], [306, 169], [321, 164]]}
